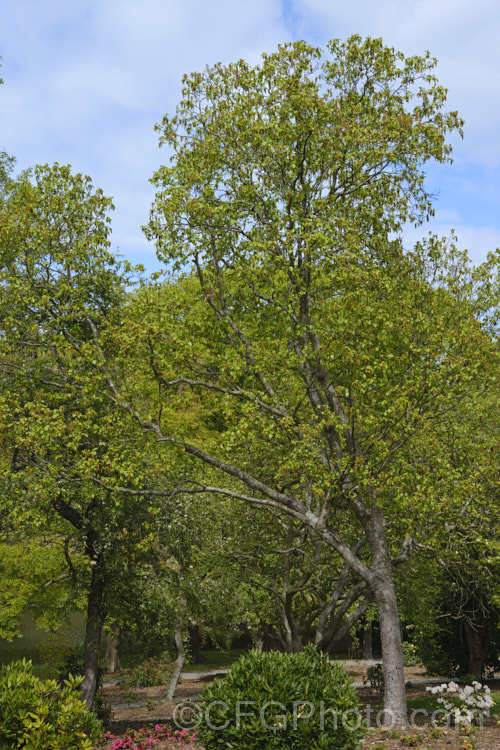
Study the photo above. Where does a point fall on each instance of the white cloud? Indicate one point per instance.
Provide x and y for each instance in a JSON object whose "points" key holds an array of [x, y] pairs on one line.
{"points": [[477, 240]]}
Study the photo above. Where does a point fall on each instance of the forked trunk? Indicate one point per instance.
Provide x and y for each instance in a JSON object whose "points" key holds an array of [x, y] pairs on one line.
{"points": [[293, 644]]}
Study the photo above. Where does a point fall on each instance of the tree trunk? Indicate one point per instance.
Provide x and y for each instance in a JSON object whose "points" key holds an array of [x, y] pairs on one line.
{"points": [[111, 658], [336, 631], [392, 652], [293, 644], [195, 645], [390, 632], [478, 642], [368, 642], [93, 632], [181, 654]]}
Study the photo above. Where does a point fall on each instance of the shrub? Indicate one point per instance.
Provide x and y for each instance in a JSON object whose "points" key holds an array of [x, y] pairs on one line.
{"points": [[410, 656], [42, 713], [375, 677], [150, 673], [294, 701]]}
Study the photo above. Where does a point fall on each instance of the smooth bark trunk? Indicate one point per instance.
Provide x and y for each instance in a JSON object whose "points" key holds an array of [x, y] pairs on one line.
{"points": [[384, 593], [336, 631], [181, 653], [93, 634], [293, 644], [392, 654]]}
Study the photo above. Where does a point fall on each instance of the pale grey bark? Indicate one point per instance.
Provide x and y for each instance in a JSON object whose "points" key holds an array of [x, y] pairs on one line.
{"points": [[181, 653]]}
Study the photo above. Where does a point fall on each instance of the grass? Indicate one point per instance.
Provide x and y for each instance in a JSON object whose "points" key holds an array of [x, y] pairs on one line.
{"points": [[215, 660]]}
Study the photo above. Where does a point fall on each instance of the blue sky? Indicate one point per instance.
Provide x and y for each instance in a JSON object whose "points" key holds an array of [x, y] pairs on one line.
{"points": [[86, 81]]}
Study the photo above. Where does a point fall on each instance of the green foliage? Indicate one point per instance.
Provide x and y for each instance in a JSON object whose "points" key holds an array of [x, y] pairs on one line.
{"points": [[410, 656], [60, 651], [444, 651], [280, 691], [33, 573], [150, 673], [375, 677], [40, 714]]}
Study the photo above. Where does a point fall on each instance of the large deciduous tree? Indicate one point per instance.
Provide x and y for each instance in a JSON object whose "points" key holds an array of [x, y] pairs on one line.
{"points": [[328, 347]]}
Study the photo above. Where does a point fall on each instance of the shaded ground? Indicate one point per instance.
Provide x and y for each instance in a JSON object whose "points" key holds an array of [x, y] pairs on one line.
{"points": [[123, 702], [156, 709]]}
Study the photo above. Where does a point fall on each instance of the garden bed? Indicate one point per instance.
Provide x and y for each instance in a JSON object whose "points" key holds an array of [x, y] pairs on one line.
{"points": [[155, 710]]}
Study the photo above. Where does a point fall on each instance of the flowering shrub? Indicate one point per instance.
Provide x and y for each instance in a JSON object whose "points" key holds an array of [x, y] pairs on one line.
{"points": [[144, 739], [465, 705], [150, 673]]}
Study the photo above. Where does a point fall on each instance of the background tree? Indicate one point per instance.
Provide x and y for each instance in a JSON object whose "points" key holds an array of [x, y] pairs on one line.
{"points": [[34, 577], [454, 584], [68, 445], [301, 591], [73, 460]]}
